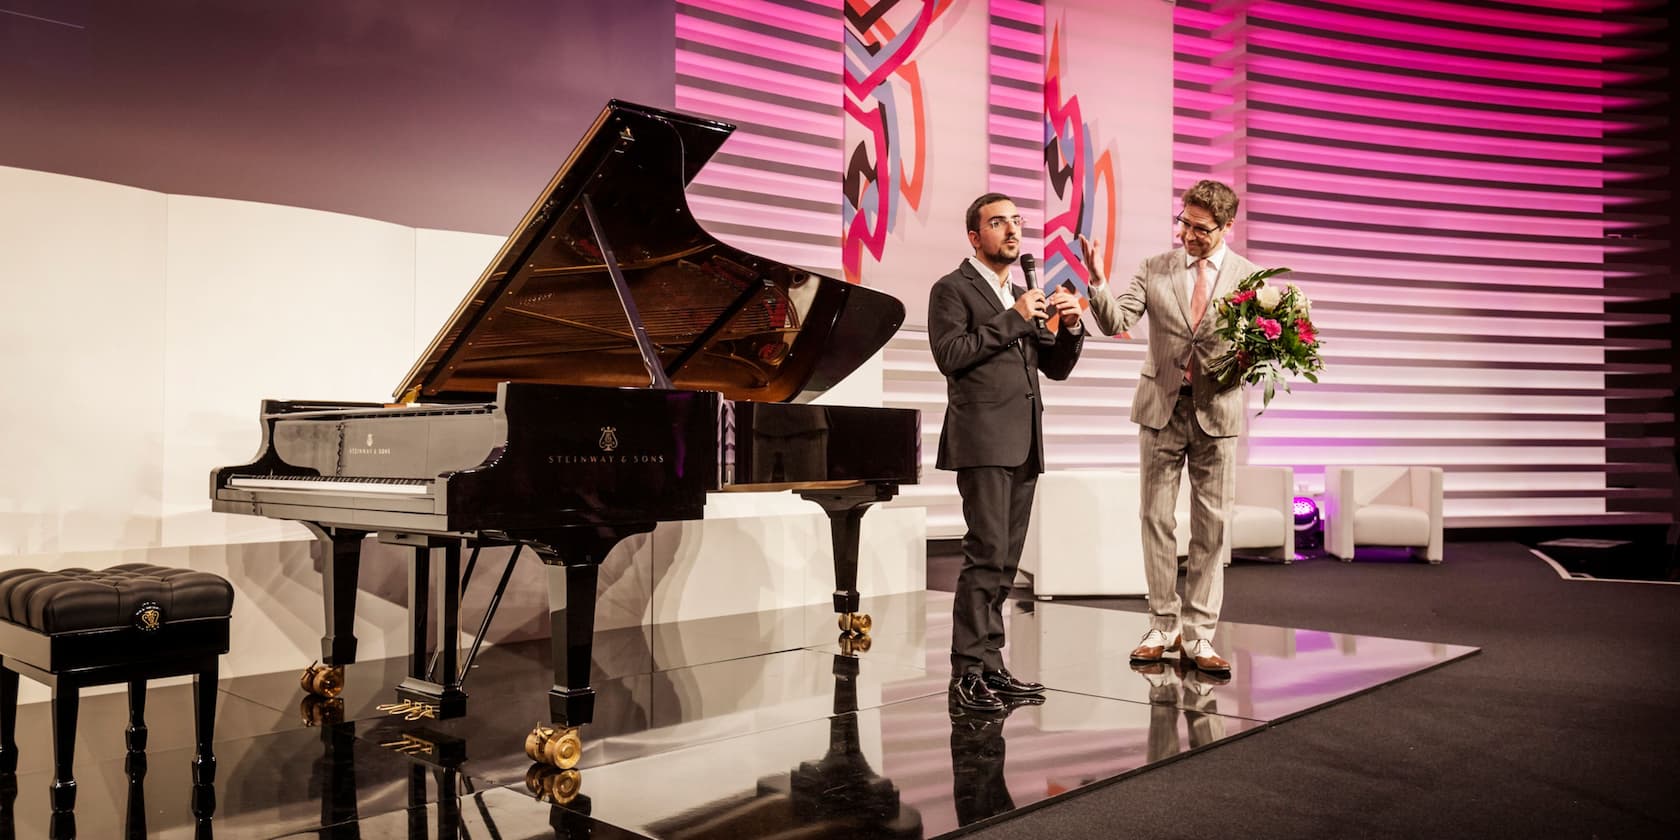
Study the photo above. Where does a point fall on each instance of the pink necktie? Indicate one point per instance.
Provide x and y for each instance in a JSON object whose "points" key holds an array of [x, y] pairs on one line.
{"points": [[1198, 308]]}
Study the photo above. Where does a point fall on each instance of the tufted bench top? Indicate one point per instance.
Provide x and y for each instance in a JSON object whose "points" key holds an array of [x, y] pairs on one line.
{"points": [[75, 600]]}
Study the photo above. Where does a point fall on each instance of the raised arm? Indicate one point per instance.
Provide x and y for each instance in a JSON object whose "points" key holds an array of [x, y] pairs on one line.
{"points": [[1113, 313]]}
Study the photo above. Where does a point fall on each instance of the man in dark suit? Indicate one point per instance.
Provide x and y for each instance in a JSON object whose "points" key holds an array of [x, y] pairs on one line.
{"points": [[986, 335]]}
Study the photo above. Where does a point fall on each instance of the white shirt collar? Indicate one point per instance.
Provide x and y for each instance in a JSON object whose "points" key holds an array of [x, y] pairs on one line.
{"points": [[1215, 259], [1000, 282]]}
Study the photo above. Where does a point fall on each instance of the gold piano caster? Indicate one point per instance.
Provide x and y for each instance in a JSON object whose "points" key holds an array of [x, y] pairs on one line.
{"points": [[855, 624], [552, 785], [323, 680], [853, 645], [321, 711], [553, 746]]}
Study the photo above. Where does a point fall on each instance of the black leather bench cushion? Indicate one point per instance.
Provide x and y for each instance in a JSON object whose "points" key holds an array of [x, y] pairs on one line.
{"points": [[72, 600]]}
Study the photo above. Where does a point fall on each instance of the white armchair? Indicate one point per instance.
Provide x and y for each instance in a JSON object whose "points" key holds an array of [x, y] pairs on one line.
{"points": [[1383, 506], [1263, 518]]}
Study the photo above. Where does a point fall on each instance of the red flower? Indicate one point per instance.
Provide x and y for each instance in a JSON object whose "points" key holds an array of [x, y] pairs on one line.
{"points": [[1304, 329], [1242, 297], [1271, 328]]}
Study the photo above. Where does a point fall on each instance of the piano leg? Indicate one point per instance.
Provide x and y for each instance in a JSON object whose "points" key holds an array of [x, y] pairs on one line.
{"points": [[845, 509], [574, 557], [340, 554]]}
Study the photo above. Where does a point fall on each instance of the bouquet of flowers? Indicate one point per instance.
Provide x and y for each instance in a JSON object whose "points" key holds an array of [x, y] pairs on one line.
{"points": [[1271, 333]]}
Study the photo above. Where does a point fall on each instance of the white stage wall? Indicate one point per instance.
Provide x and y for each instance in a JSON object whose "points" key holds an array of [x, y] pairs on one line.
{"points": [[143, 331]]}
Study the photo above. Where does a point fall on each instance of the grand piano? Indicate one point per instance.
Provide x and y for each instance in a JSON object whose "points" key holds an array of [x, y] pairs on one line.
{"points": [[611, 367]]}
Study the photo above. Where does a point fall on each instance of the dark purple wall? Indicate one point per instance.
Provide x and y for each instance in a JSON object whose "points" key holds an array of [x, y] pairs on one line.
{"points": [[431, 113]]}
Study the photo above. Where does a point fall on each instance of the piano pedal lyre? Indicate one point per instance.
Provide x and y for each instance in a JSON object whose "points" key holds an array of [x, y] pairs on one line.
{"points": [[410, 710], [322, 680], [552, 785], [855, 624], [554, 746]]}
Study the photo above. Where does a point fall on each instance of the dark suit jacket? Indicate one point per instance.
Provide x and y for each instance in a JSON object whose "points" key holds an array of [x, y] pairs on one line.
{"points": [[991, 360]]}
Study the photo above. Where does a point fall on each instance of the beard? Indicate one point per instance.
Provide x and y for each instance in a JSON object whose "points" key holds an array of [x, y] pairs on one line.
{"points": [[1006, 253]]}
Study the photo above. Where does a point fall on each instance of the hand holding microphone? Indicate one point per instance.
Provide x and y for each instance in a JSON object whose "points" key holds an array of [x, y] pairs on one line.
{"points": [[1031, 306], [1029, 268]]}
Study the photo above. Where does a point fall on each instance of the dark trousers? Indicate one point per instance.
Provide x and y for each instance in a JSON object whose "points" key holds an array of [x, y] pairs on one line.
{"points": [[997, 504], [978, 785]]}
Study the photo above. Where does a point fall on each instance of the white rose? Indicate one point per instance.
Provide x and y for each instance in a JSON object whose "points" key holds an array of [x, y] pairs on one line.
{"points": [[1268, 297]]}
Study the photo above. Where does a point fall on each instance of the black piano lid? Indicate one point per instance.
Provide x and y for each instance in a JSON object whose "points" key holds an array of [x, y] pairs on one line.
{"points": [[720, 319]]}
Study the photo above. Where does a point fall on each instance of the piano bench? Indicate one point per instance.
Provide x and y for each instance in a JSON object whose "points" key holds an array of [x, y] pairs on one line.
{"points": [[126, 624]]}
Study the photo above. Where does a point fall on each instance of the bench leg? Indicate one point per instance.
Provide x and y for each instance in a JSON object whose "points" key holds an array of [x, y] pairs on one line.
{"points": [[136, 715], [8, 720], [204, 710], [134, 766], [65, 703]]}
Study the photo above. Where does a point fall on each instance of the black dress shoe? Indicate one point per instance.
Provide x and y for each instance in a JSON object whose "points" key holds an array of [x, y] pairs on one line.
{"points": [[1004, 684], [970, 692]]}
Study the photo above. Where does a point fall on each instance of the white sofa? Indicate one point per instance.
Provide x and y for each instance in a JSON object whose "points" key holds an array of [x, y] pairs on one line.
{"points": [[1085, 539], [1263, 518], [1383, 506]]}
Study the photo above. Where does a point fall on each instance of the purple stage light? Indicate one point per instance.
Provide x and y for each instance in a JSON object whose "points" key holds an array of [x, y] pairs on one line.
{"points": [[1306, 512]]}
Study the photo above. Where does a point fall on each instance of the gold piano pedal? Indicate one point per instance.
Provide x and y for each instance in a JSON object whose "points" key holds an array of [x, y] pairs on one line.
{"points": [[554, 746], [552, 785], [855, 624], [321, 711], [323, 680], [410, 709]]}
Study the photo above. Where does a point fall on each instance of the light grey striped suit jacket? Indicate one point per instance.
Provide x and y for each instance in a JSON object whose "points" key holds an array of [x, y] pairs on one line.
{"points": [[1158, 290]]}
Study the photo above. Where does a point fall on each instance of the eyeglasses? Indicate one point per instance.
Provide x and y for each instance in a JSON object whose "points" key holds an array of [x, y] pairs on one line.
{"points": [[1193, 227], [997, 222]]}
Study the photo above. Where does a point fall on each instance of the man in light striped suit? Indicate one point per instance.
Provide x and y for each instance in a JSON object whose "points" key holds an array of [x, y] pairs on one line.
{"points": [[1183, 416]]}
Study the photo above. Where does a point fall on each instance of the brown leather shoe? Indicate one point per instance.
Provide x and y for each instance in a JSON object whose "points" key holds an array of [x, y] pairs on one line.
{"points": [[1152, 646], [1200, 651]]}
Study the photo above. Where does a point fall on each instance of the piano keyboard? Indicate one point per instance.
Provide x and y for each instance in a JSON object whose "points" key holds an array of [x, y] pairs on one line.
{"points": [[410, 486]]}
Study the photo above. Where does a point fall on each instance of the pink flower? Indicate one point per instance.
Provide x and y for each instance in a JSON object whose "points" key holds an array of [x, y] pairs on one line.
{"points": [[1304, 329], [1242, 297], [1271, 328]]}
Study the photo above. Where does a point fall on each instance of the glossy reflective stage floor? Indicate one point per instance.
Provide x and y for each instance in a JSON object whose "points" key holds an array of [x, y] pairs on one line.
{"points": [[733, 727]]}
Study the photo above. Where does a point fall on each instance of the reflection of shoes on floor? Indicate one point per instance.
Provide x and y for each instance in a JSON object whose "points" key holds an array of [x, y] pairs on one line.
{"points": [[969, 691], [1162, 679], [1007, 685], [1153, 646], [968, 723], [1200, 651], [1013, 703], [1201, 683]]}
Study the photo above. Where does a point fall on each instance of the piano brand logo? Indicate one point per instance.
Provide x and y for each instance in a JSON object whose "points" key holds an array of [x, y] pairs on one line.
{"points": [[370, 449], [609, 443]]}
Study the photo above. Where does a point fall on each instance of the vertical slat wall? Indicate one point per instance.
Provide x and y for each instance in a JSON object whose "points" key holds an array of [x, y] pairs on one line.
{"points": [[773, 68], [1447, 180]]}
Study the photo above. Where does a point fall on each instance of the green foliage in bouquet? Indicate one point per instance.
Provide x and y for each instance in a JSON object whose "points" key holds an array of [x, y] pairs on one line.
{"points": [[1271, 333]]}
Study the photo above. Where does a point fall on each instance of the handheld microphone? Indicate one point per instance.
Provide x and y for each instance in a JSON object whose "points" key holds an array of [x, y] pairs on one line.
{"points": [[1029, 267]]}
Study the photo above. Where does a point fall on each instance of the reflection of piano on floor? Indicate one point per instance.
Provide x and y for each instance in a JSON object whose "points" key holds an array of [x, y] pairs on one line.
{"points": [[838, 795], [609, 369]]}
